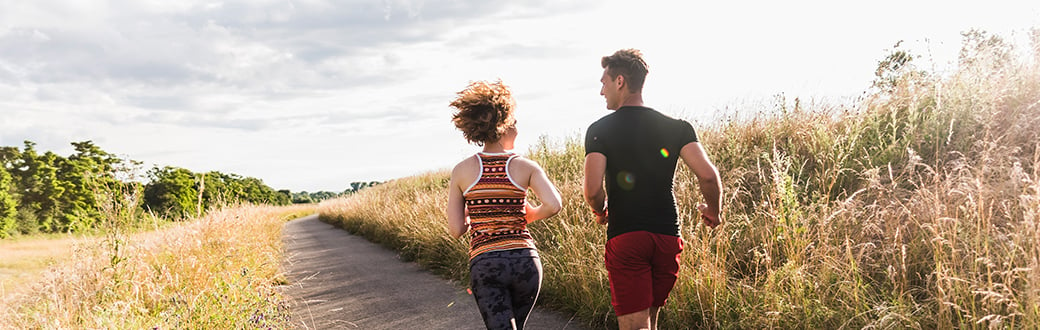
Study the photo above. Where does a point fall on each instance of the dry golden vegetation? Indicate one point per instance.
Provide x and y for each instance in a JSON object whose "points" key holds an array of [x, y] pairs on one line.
{"points": [[216, 272], [25, 258], [916, 207]]}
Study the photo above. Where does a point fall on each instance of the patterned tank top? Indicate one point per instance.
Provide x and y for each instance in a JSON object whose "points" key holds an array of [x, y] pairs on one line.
{"points": [[496, 208]]}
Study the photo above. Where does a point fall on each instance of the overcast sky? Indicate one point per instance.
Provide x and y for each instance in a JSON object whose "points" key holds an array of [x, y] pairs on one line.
{"points": [[312, 95]]}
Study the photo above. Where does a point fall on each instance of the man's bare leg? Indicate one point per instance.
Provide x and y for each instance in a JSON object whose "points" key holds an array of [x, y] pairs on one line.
{"points": [[653, 317], [635, 321]]}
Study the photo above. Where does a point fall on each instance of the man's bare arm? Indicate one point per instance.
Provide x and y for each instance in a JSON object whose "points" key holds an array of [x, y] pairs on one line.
{"points": [[595, 195], [707, 180]]}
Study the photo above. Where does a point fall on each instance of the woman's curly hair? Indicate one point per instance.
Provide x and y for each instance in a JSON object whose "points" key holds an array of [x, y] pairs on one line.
{"points": [[484, 111]]}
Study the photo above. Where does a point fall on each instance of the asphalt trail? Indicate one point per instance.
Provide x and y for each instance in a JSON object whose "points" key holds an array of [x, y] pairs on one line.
{"points": [[341, 281]]}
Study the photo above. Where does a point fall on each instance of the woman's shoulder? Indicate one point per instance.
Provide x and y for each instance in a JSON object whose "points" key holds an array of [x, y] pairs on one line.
{"points": [[466, 171], [467, 163], [519, 159], [524, 163]]}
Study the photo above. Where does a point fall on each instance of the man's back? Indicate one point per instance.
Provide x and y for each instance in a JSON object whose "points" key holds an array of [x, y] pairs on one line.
{"points": [[642, 147]]}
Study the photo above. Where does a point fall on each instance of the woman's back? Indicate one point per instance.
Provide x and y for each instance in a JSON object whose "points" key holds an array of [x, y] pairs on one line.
{"points": [[495, 204]]}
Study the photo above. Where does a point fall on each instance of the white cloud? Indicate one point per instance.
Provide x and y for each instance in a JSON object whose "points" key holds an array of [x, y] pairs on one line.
{"points": [[310, 95]]}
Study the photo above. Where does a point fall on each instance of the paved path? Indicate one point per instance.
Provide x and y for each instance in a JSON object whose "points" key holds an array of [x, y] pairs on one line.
{"points": [[341, 281]]}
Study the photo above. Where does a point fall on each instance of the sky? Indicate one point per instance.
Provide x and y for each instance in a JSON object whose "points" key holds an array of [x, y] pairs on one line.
{"points": [[312, 95]]}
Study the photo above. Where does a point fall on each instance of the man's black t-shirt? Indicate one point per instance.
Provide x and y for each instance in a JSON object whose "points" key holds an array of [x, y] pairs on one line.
{"points": [[642, 147]]}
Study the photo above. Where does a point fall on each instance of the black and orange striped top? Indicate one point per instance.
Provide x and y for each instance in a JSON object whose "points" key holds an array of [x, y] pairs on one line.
{"points": [[495, 205]]}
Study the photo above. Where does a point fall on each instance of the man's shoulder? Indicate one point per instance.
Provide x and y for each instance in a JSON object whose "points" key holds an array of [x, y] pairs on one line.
{"points": [[678, 122], [660, 115], [606, 119]]}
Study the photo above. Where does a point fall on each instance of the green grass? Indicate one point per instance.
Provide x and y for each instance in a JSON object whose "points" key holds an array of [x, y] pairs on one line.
{"points": [[916, 207]]}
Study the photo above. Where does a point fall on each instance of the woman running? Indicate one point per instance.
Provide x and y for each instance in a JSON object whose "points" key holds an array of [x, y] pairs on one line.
{"points": [[487, 197]]}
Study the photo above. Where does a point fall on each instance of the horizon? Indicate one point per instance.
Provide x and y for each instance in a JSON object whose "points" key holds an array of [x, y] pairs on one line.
{"points": [[313, 96]]}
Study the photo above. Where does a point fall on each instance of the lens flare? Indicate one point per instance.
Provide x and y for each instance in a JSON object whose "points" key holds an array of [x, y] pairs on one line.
{"points": [[626, 180], [664, 152]]}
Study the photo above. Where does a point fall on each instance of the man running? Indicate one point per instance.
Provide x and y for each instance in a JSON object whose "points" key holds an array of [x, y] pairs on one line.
{"points": [[634, 150]]}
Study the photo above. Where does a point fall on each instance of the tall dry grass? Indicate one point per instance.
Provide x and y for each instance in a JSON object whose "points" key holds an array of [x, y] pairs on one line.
{"points": [[25, 257], [916, 207], [215, 272]]}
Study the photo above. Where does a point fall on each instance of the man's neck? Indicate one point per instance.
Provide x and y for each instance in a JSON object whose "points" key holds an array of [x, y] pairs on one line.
{"points": [[632, 100]]}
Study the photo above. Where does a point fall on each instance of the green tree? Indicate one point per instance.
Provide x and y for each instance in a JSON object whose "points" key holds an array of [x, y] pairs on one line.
{"points": [[171, 192], [223, 189], [83, 175], [11, 160], [302, 197], [356, 186], [323, 195], [256, 192], [305, 197], [51, 193], [286, 194], [218, 189], [37, 184], [177, 192], [8, 205]]}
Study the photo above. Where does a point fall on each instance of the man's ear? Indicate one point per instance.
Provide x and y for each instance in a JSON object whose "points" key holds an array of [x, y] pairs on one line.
{"points": [[620, 81]]}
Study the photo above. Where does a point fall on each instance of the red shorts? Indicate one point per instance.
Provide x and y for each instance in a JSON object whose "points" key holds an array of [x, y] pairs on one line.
{"points": [[642, 268]]}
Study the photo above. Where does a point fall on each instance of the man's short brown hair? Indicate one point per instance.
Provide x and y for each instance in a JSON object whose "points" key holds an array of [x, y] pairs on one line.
{"points": [[627, 63], [485, 111]]}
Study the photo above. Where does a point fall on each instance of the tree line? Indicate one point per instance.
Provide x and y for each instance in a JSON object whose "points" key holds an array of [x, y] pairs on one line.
{"points": [[47, 193], [304, 197]]}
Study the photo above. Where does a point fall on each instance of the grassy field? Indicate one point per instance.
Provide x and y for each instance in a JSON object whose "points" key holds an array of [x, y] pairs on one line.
{"points": [[26, 258], [216, 272], [915, 207]]}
